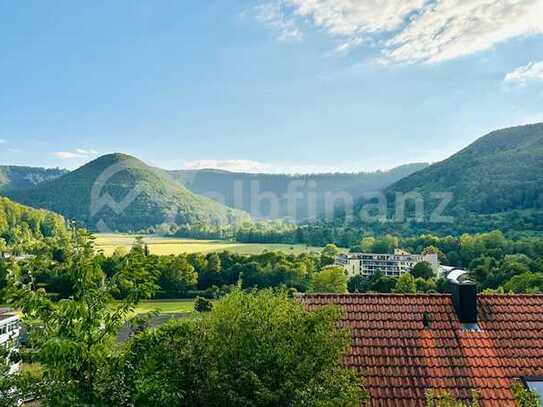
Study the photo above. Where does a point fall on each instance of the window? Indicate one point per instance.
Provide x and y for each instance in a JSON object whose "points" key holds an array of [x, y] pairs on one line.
{"points": [[535, 384]]}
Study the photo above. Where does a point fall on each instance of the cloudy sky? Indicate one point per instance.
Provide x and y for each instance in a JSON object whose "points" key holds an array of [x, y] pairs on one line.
{"points": [[264, 85]]}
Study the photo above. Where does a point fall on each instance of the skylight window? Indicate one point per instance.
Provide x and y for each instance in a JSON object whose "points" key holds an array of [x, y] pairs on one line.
{"points": [[535, 384]]}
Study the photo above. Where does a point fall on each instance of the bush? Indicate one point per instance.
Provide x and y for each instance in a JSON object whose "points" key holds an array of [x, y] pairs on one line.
{"points": [[203, 305], [252, 349], [434, 399]]}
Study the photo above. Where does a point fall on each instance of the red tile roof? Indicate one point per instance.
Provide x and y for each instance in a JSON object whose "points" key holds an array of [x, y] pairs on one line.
{"points": [[400, 359]]}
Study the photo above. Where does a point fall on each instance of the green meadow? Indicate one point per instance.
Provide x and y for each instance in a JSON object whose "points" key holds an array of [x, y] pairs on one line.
{"points": [[165, 306]]}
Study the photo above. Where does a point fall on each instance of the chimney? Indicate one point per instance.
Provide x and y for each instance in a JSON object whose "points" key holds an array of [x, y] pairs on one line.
{"points": [[464, 296]]}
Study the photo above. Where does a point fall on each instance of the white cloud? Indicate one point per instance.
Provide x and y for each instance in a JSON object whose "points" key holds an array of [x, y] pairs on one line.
{"points": [[250, 166], [2, 141], [273, 15], [351, 18], [421, 30], [532, 71], [227, 165], [449, 29], [77, 153], [65, 155], [85, 152]]}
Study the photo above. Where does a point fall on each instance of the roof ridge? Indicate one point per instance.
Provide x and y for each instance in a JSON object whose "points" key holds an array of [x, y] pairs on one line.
{"points": [[505, 295], [411, 295], [510, 295]]}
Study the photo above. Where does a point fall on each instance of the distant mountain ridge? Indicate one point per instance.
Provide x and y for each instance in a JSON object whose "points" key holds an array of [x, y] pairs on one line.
{"points": [[494, 183], [13, 177], [118, 192], [245, 192], [252, 192]]}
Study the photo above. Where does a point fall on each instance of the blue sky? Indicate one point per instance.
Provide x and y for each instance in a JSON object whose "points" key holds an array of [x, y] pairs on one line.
{"points": [[272, 85]]}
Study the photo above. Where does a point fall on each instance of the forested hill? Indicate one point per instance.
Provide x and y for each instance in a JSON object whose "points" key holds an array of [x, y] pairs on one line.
{"points": [[18, 222], [498, 177], [499, 172], [223, 184], [17, 177], [121, 193]]}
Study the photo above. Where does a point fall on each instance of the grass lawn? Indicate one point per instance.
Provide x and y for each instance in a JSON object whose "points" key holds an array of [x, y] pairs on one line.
{"points": [[165, 306], [162, 306], [165, 245]]}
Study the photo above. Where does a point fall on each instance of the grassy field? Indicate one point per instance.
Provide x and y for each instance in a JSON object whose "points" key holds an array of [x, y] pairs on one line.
{"points": [[162, 306], [165, 306], [164, 245]]}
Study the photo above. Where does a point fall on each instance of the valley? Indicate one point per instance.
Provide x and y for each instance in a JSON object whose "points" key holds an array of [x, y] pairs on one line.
{"points": [[271, 203]]}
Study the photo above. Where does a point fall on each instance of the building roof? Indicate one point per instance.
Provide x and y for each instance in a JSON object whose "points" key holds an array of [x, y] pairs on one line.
{"points": [[400, 359], [6, 313]]}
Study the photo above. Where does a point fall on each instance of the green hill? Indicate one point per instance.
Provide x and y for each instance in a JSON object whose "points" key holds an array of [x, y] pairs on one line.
{"points": [[118, 192], [496, 182], [223, 184], [499, 172], [17, 177]]}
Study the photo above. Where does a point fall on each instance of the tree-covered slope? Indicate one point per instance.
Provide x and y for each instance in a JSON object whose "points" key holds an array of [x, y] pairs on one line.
{"points": [[501, 171], [239, 190], [121, 193], [17, 177], [20, 222], [494, 183]]}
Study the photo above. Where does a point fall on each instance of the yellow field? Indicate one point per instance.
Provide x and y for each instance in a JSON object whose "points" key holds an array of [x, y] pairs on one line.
{"points": [[165, 245]]}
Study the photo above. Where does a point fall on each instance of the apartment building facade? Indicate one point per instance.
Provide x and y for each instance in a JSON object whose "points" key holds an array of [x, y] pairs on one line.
{"points": [[392, 265], [10, 331]]}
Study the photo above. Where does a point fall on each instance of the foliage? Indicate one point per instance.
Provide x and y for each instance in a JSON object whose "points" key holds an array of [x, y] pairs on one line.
{"points": [[423, 270], [203, 305], [378, 282], [20, 225], [189, 275], [177, 275], [331, 279], [72, 337], [406, 284], [525, 397], [329, 254], [253, 349], [525, 283], [434, 399], [496, 263]]}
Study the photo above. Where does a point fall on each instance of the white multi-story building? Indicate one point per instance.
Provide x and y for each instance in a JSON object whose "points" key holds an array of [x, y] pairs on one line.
{"points": [[392, 265], [10, 330]]}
